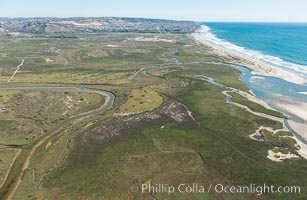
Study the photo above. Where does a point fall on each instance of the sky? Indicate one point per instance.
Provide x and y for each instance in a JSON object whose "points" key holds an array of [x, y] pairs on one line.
{"points": [[196, 10]]}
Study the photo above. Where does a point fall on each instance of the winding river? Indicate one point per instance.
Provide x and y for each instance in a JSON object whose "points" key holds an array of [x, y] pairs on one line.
{"points": [[22, 162], [16, 172]]}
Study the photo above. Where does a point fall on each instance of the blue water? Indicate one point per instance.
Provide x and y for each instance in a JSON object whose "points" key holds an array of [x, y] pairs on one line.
{"points": [[282, 45], [273, 90], [265, 87], [287, 41]]}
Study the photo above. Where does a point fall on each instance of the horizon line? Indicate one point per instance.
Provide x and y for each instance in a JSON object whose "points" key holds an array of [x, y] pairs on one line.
{"points": [[209, 21]]}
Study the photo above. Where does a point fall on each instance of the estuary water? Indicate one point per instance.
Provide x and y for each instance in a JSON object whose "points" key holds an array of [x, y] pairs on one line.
{"points": [[283, 45]]}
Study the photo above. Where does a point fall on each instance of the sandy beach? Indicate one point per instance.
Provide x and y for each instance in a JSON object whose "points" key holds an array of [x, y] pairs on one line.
{"points": [[302, 147], [261, 68], [299, 127], [299, 109], [257, 66]]}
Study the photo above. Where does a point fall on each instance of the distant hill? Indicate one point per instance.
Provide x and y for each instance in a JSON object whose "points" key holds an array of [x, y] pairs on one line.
{"points": [[93, 24]]}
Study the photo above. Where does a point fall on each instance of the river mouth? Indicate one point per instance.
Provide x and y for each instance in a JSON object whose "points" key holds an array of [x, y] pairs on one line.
{"points": [[291, 123], [281, 95]]}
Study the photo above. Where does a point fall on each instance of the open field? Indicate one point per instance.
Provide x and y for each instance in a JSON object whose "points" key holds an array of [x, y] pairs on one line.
{"points": [[27, 115], [7, 158], [166, 125], [180, 152], [140, 100]]}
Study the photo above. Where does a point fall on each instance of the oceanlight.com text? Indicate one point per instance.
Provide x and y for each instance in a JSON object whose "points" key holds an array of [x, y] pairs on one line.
{"points": [[215, 188]]}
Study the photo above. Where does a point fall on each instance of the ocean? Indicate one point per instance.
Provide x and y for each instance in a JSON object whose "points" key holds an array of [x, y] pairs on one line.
{"points": [[283, 45], [280, 44]]}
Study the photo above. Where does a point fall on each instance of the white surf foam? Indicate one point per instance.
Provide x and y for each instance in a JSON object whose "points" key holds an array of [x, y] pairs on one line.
{"points": [[206, 34]]}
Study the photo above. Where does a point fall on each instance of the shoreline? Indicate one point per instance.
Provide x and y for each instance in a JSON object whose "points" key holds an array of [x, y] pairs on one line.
{"points": [[257, 67]]}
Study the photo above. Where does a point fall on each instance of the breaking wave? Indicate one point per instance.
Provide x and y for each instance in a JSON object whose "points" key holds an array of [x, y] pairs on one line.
{"points": [[206, 34]]}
